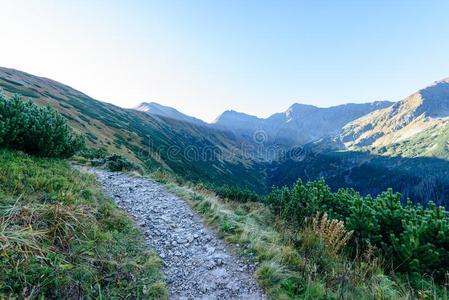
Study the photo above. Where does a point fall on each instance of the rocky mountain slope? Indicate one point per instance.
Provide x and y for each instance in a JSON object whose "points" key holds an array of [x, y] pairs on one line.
{"points": [[403, 125], [299, 124], [192, 151]]}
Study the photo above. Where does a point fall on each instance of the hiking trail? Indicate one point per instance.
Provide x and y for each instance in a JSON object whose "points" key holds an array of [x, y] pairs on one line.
{"points": [[197, 264]]}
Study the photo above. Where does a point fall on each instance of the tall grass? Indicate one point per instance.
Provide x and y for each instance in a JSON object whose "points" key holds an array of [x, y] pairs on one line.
{"points": [[61, 238]]}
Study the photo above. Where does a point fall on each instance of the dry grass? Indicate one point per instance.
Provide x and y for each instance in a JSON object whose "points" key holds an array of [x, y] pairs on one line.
{"points": [[331, 232]]}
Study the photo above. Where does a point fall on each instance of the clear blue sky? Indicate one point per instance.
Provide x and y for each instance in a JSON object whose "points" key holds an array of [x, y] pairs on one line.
{"points": [[203, 57]]}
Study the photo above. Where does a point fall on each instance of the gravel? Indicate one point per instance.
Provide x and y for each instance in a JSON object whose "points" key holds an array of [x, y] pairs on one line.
{"points": [[197, 264]]}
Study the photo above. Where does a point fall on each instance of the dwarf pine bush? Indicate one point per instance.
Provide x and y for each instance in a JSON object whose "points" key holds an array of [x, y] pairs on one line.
{"points": [[235, 193], [413, 240], [331, 232], [40, 131]]}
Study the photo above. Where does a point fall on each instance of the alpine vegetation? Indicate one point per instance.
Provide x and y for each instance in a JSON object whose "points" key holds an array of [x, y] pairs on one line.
{"points": [[40, 131]]}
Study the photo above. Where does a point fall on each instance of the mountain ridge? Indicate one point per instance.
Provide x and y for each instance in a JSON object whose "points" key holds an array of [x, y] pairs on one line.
{"points": [[212, 155], [300, 123], [423, 110]]}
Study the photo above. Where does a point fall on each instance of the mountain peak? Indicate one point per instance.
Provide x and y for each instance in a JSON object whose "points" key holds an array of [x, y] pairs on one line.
{"points": [[145, 106], [232, 118], [297, 105], [153, 108]]}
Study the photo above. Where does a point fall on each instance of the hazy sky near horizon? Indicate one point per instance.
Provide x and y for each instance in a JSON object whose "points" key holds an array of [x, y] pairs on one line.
{"points": [[205, 56]]}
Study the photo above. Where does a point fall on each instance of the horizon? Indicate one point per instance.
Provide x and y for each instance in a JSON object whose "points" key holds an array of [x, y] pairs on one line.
{"points": [[203, 58]]}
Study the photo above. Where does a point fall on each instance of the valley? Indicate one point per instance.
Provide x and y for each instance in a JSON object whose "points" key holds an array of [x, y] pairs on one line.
{"points": [[221, 150], [401, 142], [188, 184]]}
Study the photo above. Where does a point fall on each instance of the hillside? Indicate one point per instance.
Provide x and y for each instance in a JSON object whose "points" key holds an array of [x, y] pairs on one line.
{"points": [[402, 128], [188, 150], [421, 178], [160, 137]]}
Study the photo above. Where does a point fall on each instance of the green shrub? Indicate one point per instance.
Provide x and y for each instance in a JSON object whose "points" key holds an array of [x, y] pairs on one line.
{"points": [[413, 240], [93, 153], [99, 157], [118, 163], [235, 193], [40, 131]]}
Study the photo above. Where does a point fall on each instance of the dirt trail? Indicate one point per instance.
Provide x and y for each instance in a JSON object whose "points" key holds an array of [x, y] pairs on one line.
{"points": [[197, 264]]}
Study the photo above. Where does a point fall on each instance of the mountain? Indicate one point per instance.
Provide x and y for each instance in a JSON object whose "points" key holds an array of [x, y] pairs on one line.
{"points": [[404, 146], [236, 121], [366, 154], [404, 127], [192, 151], [157, 109], [299, 124]]}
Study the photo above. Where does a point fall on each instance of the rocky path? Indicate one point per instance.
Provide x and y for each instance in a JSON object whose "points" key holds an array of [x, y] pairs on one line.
{"points": [[197, 264]]}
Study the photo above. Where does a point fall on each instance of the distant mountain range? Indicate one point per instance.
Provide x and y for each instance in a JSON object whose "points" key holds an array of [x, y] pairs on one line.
{"points": [[369, 147], [298, 125]]}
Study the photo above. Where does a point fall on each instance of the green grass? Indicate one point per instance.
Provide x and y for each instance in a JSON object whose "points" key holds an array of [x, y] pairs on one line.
{"points": [[294, 263], [61, 238]]}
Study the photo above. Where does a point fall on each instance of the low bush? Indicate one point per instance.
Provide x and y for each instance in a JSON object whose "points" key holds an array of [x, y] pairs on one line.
{"points": [[117, 163], [93, 153], [235, 193], [413, 240], [40, 131], [295, 262]]}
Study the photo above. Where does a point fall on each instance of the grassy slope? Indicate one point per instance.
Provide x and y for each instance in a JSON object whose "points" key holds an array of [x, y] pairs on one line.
{"points": [[432, 142], [61, 238], [140, 137]]}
